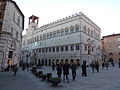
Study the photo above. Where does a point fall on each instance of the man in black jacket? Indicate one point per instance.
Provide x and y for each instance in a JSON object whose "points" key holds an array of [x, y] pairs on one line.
{"points": [[73, 68], [84, 71], [66, 67]]}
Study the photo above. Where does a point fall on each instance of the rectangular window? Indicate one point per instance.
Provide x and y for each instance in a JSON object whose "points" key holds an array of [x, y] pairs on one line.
{"points": [[49, 49], [37, 38], [43, 50], [72, 47], [77, 47], [62, 48], [53, 49], [57, 49], [35, 50], [39, 50], [85, 47], [46, 49], [66, 48]]}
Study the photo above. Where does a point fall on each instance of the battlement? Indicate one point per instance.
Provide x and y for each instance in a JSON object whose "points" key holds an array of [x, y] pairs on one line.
{"points": [[63, 20]]}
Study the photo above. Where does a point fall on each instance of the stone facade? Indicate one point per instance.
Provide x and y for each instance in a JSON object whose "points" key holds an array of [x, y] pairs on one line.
{"points": [[74, 37], [11, 26], [111, 47]]}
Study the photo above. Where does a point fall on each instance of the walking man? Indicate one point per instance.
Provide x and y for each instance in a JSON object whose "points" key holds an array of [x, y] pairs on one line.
{"points": [[59, 70], [66, 67], [73, 68], [15, 69], [84, 71]]}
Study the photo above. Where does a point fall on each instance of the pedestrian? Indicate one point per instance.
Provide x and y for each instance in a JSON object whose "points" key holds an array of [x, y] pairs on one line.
{"points": [[15, 69], [59, 70], [92, 66], [84, 71], [107, 65], [53, 66], [97, 66], [73, 68], [66, 67], [103, 65], [27, 65]]}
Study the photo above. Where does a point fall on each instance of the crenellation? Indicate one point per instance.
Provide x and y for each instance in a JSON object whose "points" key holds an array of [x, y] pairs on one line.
{"points": [[66, 19], [73, 15], [69, 17], [76, 14], [60, 20], [89, 20]]}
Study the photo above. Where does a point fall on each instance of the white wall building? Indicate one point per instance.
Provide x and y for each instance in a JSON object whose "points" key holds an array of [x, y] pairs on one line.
{"points": [[75, 37], [11, 26]]}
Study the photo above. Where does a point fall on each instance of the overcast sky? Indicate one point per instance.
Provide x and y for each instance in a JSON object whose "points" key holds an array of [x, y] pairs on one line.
{"points": [[105, 13]]}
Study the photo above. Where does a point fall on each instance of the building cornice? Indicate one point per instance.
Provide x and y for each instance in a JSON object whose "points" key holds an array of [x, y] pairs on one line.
{"points": [[112, 35]]}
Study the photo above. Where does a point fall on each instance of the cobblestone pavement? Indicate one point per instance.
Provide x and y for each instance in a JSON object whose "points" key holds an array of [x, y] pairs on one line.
{"points": [[25, 80]]}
